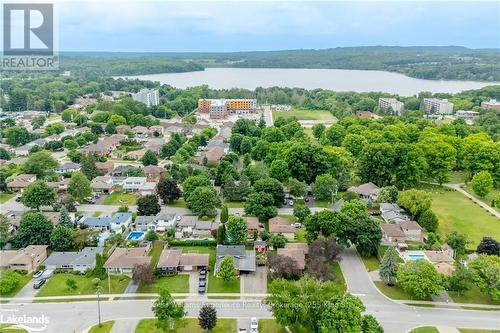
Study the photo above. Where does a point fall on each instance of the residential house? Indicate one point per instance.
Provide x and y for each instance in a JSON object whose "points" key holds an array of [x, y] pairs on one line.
{"points": [[20, 182], [401, 232], [260, 246], [156, 130], [391, 213], [122, 129], [366, 191], [105, 167], [281, 225], [296, 252], [80, 261], [252, 225], [141, 131], [154, 146], [244, 260], [212, 155], [160, 222], [27, 259], [442, 261], [60, 185], [204, 229], [123, 260], [133, 184], [185, 226], [120, 170], [68, 167], [137, 154], [99, 148], [173, 261], [102, 184], [154, 173], [117, 223]]}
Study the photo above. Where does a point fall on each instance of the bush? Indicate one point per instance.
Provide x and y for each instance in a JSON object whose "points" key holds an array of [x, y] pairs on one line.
{"points": [[193, 242], [9, 281]]}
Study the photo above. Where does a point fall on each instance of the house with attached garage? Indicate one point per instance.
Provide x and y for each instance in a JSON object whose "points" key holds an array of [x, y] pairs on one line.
{"points": [[68, 167], [20, 182], [392, 213], [281, 225], [244, 260], [173, 261], [27, 259], [160, 222], [296, 252], [123, 260], [117, 223], [366, 191], [80, 261], [401, 232]]}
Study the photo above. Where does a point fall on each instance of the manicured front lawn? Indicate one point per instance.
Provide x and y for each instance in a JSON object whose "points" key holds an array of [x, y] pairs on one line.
{"points": [[188, 325], [425, 329], [4, 197], [105, 327], [56, 285], [155, 252], [371, 263], [394, 292], [271, 326], [22, 282], [179, 203], [472, 296], [234, 204], [120, 199], [458, 213], [340, 281], [174, 284]]}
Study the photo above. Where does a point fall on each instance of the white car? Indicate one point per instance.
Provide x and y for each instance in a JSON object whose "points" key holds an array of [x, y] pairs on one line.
{"points": [[290, 202], [254, 325], [297, 225], [242, 330]]}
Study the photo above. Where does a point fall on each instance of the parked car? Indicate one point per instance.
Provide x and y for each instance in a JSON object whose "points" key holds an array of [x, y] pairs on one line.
{"points": [[285, 202], [178, 218], [203, 277], [291, 202], [89, 200], [39, 283], [201, 289], [242, 330], [38, 274], [19, 198], [254, 325], [306, 199], [297, 225], [202, 283]]}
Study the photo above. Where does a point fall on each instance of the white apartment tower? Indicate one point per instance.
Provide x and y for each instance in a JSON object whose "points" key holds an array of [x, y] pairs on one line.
{"points": [[438, 106], [386, 103], [150, 97]]}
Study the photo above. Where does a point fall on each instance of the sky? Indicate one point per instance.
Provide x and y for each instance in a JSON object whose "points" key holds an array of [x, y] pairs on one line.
{"points": [[220, 26]]}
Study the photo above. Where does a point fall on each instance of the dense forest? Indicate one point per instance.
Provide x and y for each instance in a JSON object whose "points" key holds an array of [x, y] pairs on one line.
{"points": [[434, 63]]}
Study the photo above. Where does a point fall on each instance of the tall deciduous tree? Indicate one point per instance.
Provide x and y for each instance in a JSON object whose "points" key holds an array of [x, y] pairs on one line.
{"points": [[226, 270], [482, 183], [79, 186], [61, 238], [324, 187], [203, 201], [485, 271], [148, 205], [260, 204], [168, 190], [377, 163], [165, 309], [415, 201], [38, 194], [419, 278], [40, 163], [88, 167], [273, 187], [237, 230], [34, 229], [149, 158]]}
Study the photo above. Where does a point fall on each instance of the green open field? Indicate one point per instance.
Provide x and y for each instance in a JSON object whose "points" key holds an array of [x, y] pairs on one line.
{"points": [[4, 197], [305, 114], [457, 213], [189, 325], [425, 329], [174, 284], [121, 199], [105, 327], [56, 285], [495, 194]]}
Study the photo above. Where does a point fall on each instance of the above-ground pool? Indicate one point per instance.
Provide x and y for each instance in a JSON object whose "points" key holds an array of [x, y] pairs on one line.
{"points": [[135, 235]]}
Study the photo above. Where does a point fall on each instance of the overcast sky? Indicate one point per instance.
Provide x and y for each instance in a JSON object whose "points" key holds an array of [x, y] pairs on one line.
{"points": [[146, 26]]}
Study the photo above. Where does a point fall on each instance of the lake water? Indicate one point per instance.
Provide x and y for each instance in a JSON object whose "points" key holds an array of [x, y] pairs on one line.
{"points": [[332, 79]]}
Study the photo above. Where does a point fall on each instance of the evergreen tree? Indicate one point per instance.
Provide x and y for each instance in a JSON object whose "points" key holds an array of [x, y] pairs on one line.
{"points": [[208, 317], [88, 167], [389, 266], [221, 234], [64, 218], [227, 270], [224, 214]]}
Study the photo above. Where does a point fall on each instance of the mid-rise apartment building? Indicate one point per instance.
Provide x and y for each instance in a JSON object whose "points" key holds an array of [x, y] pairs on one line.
{"points": [[391, 103], [150, 97], [219, 108], [438, 106], [492, 104]]}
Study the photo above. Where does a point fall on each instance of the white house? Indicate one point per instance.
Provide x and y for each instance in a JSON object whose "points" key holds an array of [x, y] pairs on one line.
{"points": [[80, 261]]}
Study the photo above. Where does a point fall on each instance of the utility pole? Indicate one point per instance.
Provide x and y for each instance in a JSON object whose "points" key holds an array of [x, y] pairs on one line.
{"points": [[99, 304]]}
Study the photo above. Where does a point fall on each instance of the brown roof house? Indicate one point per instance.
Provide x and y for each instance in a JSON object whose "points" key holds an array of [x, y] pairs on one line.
{"points": [[21, 182], [281, 225], [122, 129], [27, 259], [154, 145], [141, 131], [154, 173], [297, 252], [252, 225], [401, 232], [123, 260], [102, 184], [442, 261], [366, 191], [213, 155], [105, 167], [173, 260]]}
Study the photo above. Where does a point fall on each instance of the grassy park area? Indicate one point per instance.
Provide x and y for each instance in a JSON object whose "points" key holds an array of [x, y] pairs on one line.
{"points": [[188, 325], [56, 285], [305, 114]]}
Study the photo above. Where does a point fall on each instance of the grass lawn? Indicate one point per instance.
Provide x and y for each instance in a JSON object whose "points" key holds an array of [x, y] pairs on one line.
{"points": [[457, 213], [323, 203], [56, 285], [215, 285], [155, 252], [488, 198], [340, 281], [473, 330], [97, 214], [305, 114], [371, 263], [234, 204], [425, 329], [4, 328], [6, 197], [188, 325], [174, 284], [105, 327], [179, 203], [394, 292], [271, 326], [22, 282], [121, 199], [300, 235], [472, 296]]}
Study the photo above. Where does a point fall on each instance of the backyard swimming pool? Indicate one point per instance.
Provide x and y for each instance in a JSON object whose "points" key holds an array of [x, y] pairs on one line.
{"points": [[135, 235], [416, 256]]}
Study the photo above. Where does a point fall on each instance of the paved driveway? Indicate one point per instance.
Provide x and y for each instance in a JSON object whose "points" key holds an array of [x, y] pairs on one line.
{"points": [[255, 282]]}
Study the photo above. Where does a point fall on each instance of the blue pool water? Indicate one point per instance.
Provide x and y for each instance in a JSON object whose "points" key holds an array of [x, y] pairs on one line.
{"points": [[416, 256], [135, 235]]}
